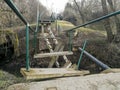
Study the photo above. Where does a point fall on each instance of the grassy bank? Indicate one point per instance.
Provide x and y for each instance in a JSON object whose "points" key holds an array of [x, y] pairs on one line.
{"points": [[97, 45]]}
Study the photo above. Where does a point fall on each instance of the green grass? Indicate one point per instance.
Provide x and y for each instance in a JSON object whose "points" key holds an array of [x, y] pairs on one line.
{"points": [[88, 30], [67, 25]]}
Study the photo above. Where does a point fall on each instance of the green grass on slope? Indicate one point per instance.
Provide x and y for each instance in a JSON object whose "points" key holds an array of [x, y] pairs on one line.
{"points": [[67, 25], [88, 30]]}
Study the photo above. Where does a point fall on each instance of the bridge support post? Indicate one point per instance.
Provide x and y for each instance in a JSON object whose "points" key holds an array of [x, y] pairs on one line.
{"points": [[27, 48]]}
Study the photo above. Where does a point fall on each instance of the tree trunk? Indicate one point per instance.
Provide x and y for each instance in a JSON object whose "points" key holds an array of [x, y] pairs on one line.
{"points": [[117, 21], [80, 12], [107, 21]]}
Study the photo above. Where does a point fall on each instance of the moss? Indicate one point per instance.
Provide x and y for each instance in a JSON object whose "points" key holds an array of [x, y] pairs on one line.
{"points": [[1, 74], [7, 79]]}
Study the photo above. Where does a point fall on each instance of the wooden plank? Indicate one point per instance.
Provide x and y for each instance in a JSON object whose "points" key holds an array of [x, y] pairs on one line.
{"points": [[43, 30], [53, 54], [65, 58], [55, 58], [52, 35], [41, 35], [74, 66], [67, 64], [58, 47], [48, 44], [49, 37], [46, 21], [46, 73]]}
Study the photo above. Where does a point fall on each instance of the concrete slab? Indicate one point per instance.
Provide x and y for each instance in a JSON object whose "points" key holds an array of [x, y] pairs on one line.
{"points": [[110, 81], [112, 70], [47, 73]]}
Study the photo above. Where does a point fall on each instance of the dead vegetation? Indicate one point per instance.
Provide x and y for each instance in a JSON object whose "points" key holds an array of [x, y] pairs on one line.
{"points": [[97, 45]]}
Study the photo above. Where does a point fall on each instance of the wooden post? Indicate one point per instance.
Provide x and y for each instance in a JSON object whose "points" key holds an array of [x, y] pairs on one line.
{"points": [[52, 35]]}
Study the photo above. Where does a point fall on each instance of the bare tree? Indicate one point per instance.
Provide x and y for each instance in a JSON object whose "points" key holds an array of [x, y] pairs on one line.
{"points": [[27, 7], [117, 21], [79, 10], [107, 21], [69, 14]]}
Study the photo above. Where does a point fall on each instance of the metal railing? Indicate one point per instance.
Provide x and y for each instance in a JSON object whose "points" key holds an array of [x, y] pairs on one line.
{"points": [[98, 62], [95, 20], [18, 13]]}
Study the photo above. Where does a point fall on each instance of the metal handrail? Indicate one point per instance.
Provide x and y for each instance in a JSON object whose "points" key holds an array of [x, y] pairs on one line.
{"points": [[95, 20], [19, 14]]}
